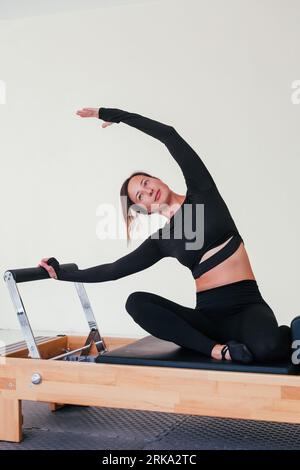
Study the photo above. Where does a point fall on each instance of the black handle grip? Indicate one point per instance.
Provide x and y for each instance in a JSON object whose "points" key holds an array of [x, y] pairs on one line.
{"points": [[35, 274]]}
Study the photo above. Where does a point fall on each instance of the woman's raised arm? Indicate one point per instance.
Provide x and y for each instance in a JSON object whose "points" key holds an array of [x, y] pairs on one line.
{"points": [[197, 176]]}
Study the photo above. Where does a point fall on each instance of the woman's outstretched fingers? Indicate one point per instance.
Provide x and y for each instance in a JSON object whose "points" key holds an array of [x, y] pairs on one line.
{"points": [[88, 112], [92, 112]]}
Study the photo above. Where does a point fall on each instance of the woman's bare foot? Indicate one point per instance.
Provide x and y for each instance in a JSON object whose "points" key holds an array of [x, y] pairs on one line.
{"points": [[216, 352]]}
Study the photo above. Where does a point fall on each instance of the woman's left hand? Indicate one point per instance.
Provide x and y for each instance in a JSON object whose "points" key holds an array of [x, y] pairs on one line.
{"points": [[92, 112]]}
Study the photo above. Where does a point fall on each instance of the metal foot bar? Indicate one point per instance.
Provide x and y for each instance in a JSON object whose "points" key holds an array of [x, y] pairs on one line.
{"points": [[69, 353], [12, 277]]}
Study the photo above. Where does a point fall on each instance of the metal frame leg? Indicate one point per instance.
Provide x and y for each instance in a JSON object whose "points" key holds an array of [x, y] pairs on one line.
{"points": [[94, 336], [22, 316]]}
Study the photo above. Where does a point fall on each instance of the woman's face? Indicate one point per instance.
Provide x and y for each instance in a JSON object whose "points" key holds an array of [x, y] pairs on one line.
{"points": [[148, 192]]}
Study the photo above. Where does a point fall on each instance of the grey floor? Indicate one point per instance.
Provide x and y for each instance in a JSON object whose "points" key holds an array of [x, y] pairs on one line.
{"points": [[75, 427]]}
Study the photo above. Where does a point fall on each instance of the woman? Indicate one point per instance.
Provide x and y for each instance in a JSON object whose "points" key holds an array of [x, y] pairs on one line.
{"points": [[231, 320]]}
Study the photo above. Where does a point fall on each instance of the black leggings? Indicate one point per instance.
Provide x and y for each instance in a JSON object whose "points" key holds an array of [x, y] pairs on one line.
{"points": [[234, 311]]}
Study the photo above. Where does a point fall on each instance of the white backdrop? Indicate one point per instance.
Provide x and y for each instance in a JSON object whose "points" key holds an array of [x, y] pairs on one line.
{"points": [[221, 72]]}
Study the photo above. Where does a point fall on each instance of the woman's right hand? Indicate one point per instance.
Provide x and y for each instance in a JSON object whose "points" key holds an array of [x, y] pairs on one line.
{"points": [[51, 271], [92, 112]]}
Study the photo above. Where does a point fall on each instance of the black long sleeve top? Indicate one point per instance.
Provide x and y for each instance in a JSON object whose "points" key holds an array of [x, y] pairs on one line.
{"points": [[202, 222]]}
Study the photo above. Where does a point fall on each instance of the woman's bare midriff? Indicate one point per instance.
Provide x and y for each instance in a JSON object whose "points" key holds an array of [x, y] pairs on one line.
{"points": [[235, 268]]}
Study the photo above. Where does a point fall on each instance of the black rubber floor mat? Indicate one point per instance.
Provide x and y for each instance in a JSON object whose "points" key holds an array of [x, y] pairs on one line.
{"points": [[207, 433], [75, 427]]}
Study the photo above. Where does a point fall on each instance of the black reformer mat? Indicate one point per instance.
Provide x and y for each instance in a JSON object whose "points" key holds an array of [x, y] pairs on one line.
{"points": [[152, 351]]}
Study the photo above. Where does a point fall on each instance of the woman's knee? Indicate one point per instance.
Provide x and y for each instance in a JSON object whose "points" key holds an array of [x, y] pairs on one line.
{"points": [[135, 302]]}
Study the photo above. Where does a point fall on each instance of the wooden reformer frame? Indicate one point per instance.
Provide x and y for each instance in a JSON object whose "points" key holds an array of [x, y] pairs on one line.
{"points": [[36, 370]]}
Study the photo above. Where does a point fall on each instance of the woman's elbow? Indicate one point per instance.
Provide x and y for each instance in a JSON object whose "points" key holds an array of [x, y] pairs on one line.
{"points": [[169, 134]]}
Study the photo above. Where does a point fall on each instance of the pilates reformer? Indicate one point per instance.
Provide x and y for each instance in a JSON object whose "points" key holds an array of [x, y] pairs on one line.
{"points": [[142, 374]]}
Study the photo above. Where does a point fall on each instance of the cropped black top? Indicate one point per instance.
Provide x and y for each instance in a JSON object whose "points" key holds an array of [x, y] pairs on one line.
{"points": [[202, 222]]}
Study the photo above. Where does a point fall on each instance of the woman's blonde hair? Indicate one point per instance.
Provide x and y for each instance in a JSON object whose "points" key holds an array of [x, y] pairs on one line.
{"points": [[126, 202]]}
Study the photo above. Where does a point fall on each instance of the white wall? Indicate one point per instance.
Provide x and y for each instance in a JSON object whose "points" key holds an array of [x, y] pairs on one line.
{"points": [[219, 71]]}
